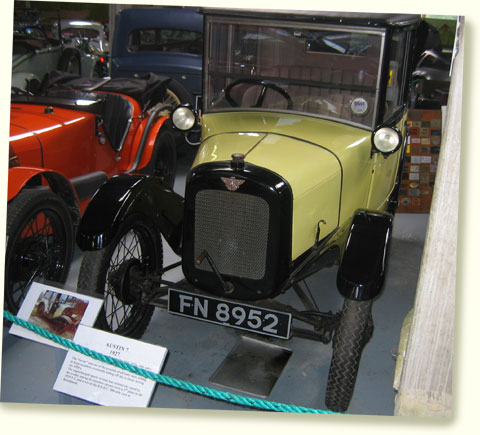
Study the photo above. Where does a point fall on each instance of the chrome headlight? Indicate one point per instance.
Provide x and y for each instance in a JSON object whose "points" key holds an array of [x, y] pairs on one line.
{"points": [[184, 118], [386, 140]]}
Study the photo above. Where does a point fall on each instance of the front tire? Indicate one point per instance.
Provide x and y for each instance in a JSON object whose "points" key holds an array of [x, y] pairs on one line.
{"points": [[40, 243], [176, 94], [135, 239], [351, 336]]}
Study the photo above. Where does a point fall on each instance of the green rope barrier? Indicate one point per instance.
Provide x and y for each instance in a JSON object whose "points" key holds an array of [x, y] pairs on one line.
{"points": [[166, 380]]}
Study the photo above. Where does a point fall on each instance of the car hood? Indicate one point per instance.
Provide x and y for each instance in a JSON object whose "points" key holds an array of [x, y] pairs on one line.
{"points": [[276, 153], [36, 129], [304, 151], [34, 119]]}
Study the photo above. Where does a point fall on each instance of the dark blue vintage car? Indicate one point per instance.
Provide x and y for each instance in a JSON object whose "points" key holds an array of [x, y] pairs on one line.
{"points": [[165, 41]]}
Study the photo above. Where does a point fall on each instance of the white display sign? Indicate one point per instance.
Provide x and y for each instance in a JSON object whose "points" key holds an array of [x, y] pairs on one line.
{"points": [[103, 383], [58, 311]]}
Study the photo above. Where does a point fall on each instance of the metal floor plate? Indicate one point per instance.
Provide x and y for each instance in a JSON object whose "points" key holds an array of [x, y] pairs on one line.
{"points": [[252, 367]]}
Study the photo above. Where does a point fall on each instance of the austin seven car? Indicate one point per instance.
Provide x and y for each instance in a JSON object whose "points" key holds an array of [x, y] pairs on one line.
{"points": [[303, 135]]}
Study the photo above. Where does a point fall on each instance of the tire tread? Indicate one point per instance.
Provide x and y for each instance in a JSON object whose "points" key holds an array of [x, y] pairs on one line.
{"points": [[354, 331]]}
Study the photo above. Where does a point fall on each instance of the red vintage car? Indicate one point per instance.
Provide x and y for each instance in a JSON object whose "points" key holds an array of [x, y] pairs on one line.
{"points": [[64, 144]]}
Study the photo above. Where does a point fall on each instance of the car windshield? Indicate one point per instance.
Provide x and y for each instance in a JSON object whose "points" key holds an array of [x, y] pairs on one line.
{"points": [[317, 70]]}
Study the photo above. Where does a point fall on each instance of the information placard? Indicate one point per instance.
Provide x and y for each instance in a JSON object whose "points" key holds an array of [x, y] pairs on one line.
{"points": [[58, 311], [102, 383]]}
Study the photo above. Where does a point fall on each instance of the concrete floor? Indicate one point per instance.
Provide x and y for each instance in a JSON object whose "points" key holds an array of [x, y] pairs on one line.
{"points": [[196, 349]]}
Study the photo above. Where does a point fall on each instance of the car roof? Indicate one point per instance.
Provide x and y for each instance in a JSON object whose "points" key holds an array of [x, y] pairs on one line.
{"points": [[325, 17], [167, 17]]}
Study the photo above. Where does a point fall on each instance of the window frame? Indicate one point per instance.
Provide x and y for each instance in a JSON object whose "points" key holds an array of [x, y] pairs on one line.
{"points": [[213, 20]]}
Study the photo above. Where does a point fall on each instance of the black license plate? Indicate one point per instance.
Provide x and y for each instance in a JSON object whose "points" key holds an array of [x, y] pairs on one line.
{"points": [[236, 315]]}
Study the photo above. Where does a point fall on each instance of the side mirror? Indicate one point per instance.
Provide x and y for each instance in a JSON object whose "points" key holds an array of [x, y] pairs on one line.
{"points": [[386, 139]]}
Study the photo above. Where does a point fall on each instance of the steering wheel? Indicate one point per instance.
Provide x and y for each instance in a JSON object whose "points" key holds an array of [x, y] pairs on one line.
{"points": [[265, 85]]}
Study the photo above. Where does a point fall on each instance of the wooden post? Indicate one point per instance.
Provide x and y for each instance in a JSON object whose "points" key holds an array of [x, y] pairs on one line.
{"points": [[425, 387]]}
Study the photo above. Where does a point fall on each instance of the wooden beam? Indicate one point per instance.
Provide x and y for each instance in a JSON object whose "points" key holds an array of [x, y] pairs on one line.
{"points": [[425, 387]]}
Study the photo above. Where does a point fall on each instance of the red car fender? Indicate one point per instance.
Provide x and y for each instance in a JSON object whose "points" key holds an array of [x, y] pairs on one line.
{"points": [[150, 143], [19, 176]]}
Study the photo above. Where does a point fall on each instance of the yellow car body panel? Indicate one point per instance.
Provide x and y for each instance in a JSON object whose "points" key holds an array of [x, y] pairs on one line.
{"points": [[330, 179], [384, 172]]}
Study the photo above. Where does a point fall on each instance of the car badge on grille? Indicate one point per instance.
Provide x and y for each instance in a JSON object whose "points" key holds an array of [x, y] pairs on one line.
{"points": [[232, 183]]}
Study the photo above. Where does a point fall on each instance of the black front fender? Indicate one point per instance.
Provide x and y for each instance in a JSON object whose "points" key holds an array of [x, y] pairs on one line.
{"points": [[362, 269], [123, 196]]}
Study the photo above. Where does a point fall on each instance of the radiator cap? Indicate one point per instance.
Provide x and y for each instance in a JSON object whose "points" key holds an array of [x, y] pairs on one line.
{"points": [[238, 161]]}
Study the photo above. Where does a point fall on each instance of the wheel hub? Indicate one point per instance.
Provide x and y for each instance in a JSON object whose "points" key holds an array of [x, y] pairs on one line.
{"points": [[123, 281], [31, 257]]}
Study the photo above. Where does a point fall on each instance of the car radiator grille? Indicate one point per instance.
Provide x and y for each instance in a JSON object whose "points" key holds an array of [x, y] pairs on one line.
{"points": [[233, 228]]}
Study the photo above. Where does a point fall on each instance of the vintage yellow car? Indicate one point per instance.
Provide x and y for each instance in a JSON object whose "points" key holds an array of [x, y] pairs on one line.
{"points": [[303, 132]]}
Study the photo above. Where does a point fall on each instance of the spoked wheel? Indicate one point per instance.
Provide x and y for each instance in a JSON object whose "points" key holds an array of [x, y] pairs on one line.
{"points": [[171, 98], [353, 333], [175, 95], [40, 243], [136, 244]]}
